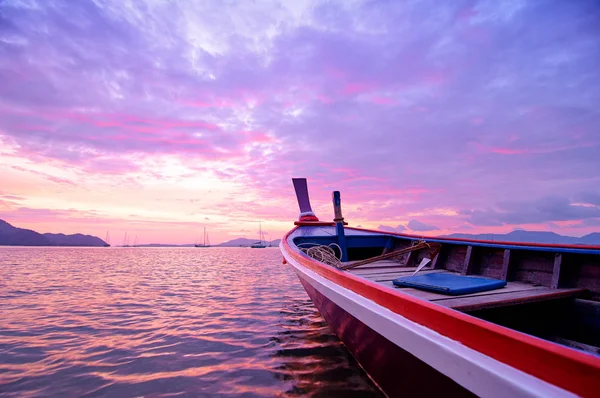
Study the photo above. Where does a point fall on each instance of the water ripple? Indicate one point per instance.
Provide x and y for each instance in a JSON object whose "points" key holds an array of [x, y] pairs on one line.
{"points": [[164, 322]]}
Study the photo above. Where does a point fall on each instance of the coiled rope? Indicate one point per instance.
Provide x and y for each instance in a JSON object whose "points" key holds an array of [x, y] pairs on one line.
{"points": [[324, 254], [327, 255]]}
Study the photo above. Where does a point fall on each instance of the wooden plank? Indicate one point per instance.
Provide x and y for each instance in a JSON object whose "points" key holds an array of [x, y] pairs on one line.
{"points": [[491, 295], [534, 277], [375, 265], [487, 262], [410, 259], [556, 271], [391, 277], [395, 274], [454, 257], [434, 263], [383, 270], [437, 297], [505, 265], [384, 274], [509, 288], [512, 298], [467, 264]]}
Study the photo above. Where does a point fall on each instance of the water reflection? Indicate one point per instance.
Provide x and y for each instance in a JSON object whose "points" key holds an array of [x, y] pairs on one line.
{"points": [[158, 322], [314, 360]]}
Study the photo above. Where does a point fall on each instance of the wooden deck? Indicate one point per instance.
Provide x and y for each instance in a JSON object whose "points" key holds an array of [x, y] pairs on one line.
{"points": [[385, 271]]}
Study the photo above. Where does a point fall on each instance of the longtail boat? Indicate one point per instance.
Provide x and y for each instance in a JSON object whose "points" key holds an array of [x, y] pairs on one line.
{"points": [[433, 316]]}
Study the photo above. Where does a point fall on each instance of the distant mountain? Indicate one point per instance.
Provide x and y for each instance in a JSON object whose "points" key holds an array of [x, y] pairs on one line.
{"points": [[13, 236], [245, 242], [534, 237], [74, 240], [590, 239]]}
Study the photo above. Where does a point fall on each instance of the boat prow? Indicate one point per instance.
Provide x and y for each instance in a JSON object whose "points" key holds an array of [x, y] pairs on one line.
{"points": [[478, 318]]}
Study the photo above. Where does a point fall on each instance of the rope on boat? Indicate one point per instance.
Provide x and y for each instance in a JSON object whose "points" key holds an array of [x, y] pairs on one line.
{"points": [[327, 255], [324, 254], [415, 246]]}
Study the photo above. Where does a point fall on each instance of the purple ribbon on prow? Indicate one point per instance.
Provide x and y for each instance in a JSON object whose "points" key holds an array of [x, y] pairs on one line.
{"points": [[301, 188]]}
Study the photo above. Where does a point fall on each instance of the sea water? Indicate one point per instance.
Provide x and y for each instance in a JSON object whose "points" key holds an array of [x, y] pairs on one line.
{"points": [[164, 322]]}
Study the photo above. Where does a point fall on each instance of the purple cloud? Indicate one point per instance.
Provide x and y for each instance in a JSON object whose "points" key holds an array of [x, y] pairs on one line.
{"points": [[399, 228], [589, 197], [544, 210], [480, 106], [417, 225]]}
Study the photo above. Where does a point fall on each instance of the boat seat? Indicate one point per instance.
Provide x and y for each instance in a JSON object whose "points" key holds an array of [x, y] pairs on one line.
{"points": [[451, 284]]}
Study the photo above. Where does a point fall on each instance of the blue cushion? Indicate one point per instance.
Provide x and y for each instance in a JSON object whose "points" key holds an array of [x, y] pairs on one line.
{"points": [[449, 283]]}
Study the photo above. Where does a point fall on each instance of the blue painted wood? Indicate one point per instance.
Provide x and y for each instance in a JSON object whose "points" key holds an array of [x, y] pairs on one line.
{"points": [[339, 224]]}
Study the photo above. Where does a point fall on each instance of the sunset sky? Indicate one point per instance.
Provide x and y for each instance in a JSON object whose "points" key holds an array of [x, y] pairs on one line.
{"points": [[159, 118]]}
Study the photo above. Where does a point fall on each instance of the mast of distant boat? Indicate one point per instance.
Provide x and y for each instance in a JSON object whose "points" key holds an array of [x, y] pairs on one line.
{"points": [[205, 241]]}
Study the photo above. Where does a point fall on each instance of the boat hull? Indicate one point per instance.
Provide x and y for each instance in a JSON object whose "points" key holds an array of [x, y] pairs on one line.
{"points": [[395, 371], [405, 358]]}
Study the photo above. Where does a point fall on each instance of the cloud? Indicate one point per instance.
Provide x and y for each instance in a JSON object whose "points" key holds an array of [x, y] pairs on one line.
{"points": [[416, 225], [589, 197], [544, 210], [591, 222], [399, 228], [11, 197], [401, 109]]}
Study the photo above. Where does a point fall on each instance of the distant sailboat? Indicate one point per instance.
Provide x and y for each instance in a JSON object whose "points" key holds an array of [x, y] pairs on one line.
{"points": [[107, 240], [206, 241], [126, 241], [260, 244]]}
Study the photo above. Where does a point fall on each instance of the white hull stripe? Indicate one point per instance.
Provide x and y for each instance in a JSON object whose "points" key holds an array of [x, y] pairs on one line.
{"points": [[480, 374]]}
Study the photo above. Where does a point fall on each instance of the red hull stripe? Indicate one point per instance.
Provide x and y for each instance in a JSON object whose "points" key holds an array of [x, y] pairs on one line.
{"points": [[568, 369]]}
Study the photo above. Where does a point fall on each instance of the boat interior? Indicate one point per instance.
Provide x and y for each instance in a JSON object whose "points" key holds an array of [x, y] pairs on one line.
{"points": [[549, 292]]}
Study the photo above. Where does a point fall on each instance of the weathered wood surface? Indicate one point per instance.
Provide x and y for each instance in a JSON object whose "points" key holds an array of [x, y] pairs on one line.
{"points": [[382, 270], [487, 261], [512, 298], [376, 265], [391, 277], [556, 271], [431, 296], [505, 265], [467, 263], [513, 293], [455, 258], [537, 268]]}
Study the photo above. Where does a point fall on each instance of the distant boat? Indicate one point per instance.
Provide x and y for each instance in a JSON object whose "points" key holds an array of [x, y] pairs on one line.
{"points": [[107, 240], [434, 316], [126, 241], [206, 241], [260, 244]]}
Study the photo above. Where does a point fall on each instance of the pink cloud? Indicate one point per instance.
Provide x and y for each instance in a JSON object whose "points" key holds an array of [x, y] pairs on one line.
{"points": [[383, 100], [357, 87], [257, 137]]}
